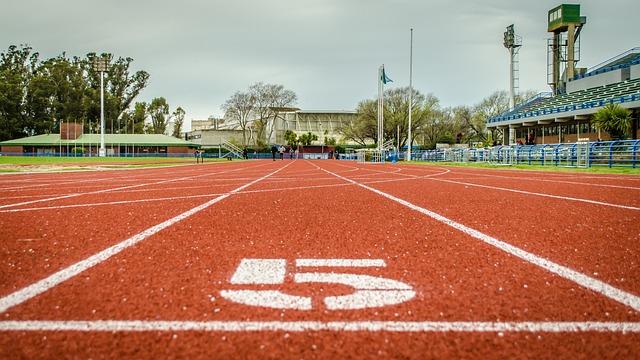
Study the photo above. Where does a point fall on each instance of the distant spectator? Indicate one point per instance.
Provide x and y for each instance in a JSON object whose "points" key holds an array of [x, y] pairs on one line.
{"points": [[292, 152], [274, 150], [245, 153], [281, 150]]}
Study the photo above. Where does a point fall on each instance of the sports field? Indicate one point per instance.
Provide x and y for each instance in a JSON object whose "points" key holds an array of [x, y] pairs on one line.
{"points": [[319, 259]]}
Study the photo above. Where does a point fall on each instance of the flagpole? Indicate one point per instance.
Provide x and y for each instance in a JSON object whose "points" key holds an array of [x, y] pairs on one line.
{"points": [[379, 106], [410, 93]]}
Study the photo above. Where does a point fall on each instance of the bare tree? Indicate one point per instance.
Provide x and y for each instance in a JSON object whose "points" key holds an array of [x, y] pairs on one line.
{"points": [[240, 107], [270, 101]]}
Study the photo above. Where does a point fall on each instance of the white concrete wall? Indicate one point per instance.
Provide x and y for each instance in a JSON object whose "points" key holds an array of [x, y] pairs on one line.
{"points": [[212, 138], [589, 82]]}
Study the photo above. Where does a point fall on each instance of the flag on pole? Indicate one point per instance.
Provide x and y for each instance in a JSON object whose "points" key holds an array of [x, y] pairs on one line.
{"points": [[384, 78]]}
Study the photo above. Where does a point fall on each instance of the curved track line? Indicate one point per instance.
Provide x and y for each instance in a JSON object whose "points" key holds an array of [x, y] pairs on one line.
{"points": [[594, 202], [541, 194], [65, 274]]}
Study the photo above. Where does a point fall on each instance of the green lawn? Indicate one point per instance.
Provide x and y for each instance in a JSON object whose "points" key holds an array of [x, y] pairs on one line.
{"points": [[52, 160], [595, 169], [13, 164]]}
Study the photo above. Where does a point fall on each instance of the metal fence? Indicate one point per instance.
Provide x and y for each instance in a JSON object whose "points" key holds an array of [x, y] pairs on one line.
{"points": [[624, 153]]}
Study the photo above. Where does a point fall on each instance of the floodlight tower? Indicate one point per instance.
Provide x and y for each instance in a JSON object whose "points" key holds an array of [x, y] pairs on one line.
{"points": [[100, 65], [513, 43], [563, 48]]}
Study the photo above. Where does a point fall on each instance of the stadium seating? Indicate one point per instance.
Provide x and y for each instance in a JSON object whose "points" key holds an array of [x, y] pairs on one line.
{"points": [[584, 99]]}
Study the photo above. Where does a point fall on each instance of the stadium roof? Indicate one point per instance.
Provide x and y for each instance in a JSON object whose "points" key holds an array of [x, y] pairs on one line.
{"points": [[110, 139]]}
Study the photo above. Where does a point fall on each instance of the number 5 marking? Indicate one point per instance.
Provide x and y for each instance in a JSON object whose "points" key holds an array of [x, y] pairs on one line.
{"points": [[370, 291]]}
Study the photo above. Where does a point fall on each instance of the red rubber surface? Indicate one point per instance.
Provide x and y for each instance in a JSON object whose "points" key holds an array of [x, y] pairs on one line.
{"points": [[305, 212]]}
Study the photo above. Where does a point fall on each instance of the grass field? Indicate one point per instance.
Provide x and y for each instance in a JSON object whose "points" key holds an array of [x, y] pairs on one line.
{"points": [[14, 164]]}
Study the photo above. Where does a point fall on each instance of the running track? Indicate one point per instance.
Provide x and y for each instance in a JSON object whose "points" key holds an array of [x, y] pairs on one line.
{"points": [[494, 263]]}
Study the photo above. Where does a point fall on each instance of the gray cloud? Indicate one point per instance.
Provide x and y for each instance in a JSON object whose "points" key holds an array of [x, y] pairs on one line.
{"points": [[327, 51]]}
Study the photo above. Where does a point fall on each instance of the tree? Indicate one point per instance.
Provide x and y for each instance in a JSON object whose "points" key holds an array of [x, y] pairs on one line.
{"points": [[178, 116], [239, 107], [134, 120], [56, 93], [396, 114], [613, 119], [307, 139], [270, 100], [158, 110], [291, 138], [121, 87], [16, 69]]}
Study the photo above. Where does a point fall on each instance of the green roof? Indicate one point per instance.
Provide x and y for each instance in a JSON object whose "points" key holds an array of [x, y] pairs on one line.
{"points": [[109, 139]]}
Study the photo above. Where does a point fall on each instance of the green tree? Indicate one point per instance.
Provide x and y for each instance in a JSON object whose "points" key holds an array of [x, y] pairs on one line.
{"points": [[396, 114], [178, 116], [57, 92], [291, 138], [158, 111], [307, 139], [16, 69], [613, 119], [121, 87]]}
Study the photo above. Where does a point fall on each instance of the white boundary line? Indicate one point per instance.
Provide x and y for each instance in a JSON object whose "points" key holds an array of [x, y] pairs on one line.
{"points": [[581, 279], [300, 326], [65, 274]]}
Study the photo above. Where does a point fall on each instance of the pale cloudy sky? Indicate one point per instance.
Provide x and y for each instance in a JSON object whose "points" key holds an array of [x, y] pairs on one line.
{"points": [[200, 52]]}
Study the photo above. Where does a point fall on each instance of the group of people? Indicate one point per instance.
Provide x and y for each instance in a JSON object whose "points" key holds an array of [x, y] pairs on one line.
{"points": [[199, 155], [281, 150], [528, 140]]}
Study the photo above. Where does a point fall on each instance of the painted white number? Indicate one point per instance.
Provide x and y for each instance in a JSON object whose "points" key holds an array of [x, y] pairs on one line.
{"points": [[370, 291]]}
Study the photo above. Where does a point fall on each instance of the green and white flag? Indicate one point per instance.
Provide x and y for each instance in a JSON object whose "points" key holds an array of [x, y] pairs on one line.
{"points": [[384, 78]]}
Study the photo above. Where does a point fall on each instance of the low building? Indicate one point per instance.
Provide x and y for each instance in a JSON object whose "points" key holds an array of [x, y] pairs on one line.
{"points": [[325, 124], [73, 141]]}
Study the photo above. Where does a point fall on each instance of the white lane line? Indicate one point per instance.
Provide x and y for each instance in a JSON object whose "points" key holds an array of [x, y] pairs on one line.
{"points": [[65, 274], [523, 192], [581, 279], [541, 194], [341, 262], [191, 177], [122, 202], [338, 326]]}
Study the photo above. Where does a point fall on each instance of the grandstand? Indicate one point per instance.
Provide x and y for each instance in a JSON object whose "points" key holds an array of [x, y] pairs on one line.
{"points": [[564, 114], [616, 81]]}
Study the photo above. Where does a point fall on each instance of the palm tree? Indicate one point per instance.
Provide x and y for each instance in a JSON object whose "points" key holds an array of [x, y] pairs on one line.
{"points": [[613, 119]]}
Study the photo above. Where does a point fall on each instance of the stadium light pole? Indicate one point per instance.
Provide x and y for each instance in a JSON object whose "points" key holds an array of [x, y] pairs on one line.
{"points": [[100, 65], [410, 93]]}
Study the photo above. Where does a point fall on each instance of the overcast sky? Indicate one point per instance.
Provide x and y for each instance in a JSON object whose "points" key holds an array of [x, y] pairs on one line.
{"points": [[328, 51]]}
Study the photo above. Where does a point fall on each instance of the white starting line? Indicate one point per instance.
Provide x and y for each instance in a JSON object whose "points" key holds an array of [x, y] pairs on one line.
{"points": [[300, 326]]}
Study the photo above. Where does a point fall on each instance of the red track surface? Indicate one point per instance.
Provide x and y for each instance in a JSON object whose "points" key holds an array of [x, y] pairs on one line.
{"points": [[472, 298]]}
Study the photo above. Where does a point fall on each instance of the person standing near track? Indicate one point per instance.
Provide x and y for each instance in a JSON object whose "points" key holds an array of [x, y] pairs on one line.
{"points": [[274, 150], [281, 150]]}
